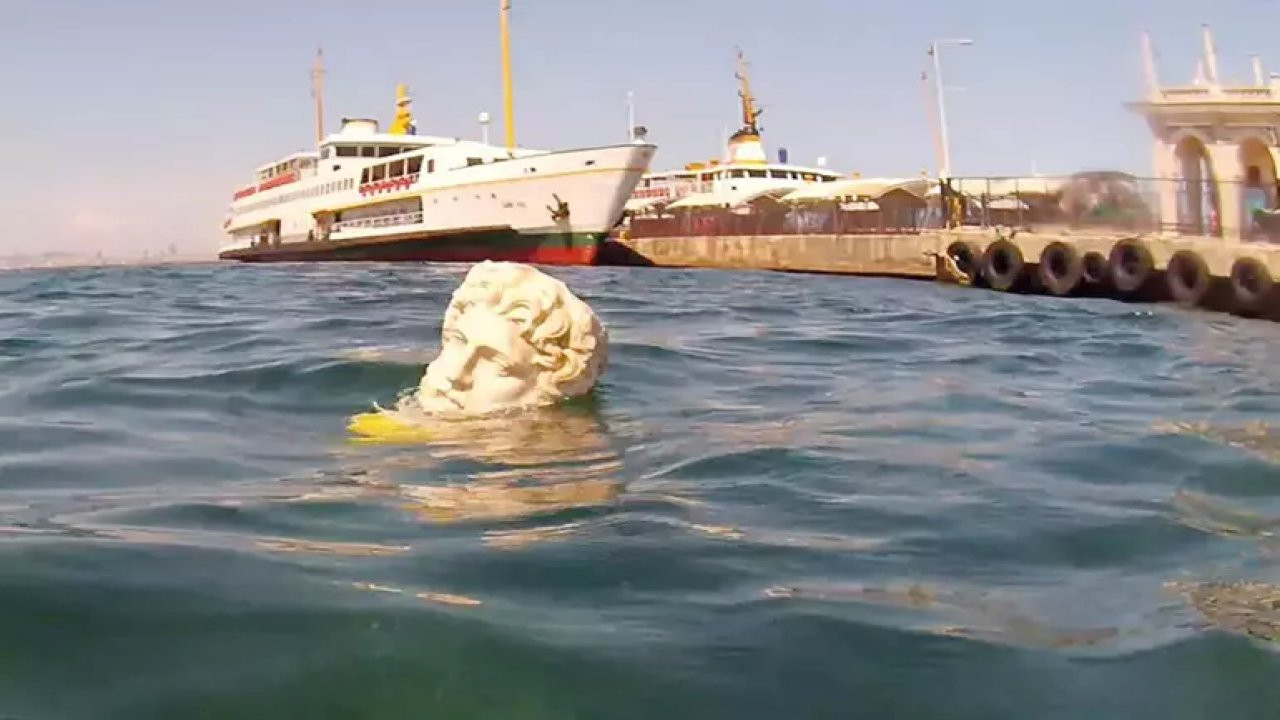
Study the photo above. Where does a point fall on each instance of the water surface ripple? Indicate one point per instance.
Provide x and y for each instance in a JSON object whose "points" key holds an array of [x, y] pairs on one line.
{"points": [[792, 496]]}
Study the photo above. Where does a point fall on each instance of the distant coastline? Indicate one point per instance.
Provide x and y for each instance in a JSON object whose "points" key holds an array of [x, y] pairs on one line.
{"points": [[51, 260]]}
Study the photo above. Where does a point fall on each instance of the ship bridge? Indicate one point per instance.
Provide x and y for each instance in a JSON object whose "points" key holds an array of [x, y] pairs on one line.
{"points": [[360, 137]]}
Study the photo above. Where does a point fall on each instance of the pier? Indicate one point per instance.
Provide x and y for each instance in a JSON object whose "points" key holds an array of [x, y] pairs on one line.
{"points": [[1202, 230]]}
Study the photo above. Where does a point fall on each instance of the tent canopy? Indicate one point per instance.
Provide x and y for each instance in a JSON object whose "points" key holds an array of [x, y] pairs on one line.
{"points": [[868, 188], [729, 198], [1003, 187]]}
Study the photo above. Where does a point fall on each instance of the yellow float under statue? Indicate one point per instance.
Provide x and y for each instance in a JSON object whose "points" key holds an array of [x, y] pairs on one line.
{"points": [[513, 338]]}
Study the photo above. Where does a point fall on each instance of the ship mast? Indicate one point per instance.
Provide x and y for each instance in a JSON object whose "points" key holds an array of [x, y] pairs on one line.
{"points": [[750, 114], [317, 92], [504, 9]]}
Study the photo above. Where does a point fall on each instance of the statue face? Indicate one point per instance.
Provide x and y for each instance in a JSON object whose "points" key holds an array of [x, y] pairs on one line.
{"points": [[485, 364], [513, 337]]}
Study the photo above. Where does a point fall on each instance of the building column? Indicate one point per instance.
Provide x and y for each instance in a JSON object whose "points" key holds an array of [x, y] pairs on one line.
{"points": [[1166, 174], [1274, 192], [1228, 176]]}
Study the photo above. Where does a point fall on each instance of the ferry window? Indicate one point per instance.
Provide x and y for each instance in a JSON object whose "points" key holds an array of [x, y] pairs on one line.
{"points": [[757, 173], [364, 176], [415, 165], [369, 151], [348, 151], [431, 165], [388, 150], [378, 172], [397, 168], [473, 161]]}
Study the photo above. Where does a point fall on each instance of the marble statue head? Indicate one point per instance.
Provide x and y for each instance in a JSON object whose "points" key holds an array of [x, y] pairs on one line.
{"points": [[513, 337]]}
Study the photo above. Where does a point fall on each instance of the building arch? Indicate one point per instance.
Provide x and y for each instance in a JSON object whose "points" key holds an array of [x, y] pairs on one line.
{"points": [[1258, 179], [1199, 208]]}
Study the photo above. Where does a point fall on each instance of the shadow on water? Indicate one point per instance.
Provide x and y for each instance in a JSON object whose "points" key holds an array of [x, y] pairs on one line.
{"points": [[542, 462]]}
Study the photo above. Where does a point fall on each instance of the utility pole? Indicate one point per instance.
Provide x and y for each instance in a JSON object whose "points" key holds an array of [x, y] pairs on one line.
{"points": [[317, 92], [508, 103], [945, 171]]}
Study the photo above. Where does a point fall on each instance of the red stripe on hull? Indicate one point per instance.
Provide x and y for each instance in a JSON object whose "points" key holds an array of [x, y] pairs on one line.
{"points": [[582, 255], [469, 248]]}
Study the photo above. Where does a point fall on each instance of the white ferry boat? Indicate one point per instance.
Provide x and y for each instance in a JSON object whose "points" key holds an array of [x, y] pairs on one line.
{"points": [[365, 194], [745, 173]]}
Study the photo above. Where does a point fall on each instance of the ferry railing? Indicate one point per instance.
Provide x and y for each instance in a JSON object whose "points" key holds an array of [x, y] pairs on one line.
{"points": [[378, 221]]}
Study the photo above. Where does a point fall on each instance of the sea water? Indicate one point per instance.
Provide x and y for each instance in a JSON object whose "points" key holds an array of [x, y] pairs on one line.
{"points": [[791, 496]]}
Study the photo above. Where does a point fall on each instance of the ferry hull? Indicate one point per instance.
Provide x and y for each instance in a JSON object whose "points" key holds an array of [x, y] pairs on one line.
{"points": [[462, 246]]}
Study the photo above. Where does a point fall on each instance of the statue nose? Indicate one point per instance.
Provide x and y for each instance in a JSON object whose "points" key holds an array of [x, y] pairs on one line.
{"points": [[453, 369]]}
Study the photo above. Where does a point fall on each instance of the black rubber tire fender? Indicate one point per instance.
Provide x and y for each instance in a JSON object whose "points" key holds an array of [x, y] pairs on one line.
{"points": [[1093, 268], [1251, 284], [1060, 268], [1188, 278], [967, 256], [1130, 265], [1002, 265]]}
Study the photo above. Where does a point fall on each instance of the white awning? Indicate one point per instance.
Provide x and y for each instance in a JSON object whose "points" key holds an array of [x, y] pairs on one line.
{"points": [[857, 188], [638, 204], [727, 198], [1003, 187], [860, 206], [1007, 203]]}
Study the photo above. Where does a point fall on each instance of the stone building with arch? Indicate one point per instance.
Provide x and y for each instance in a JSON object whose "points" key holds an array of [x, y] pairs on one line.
{"points": [[1215, 146]]}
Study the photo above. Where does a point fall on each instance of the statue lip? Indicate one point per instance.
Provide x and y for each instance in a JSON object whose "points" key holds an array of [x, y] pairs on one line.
{"points": [[447, 396]]}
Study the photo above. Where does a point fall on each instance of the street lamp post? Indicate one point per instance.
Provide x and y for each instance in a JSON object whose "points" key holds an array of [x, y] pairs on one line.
{"points": [[945, 170]]}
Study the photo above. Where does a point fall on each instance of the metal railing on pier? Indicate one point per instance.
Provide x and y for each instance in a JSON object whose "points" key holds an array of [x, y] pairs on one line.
{"points": [[1102, 201]]}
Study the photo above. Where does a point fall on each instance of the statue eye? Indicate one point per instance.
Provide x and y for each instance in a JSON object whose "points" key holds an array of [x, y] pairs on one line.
{"points": [[502, 362]]}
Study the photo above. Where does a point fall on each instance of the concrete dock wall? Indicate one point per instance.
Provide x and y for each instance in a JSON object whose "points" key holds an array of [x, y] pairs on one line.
{"points": [[1139, 270], [902, 255], [891, 255]]}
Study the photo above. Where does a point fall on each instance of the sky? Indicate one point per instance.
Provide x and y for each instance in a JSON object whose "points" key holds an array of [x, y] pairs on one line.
{"points": [[127, 124]]}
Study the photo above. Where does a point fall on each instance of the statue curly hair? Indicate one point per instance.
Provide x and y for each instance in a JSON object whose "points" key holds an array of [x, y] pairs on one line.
{"points": [[571, 343]]}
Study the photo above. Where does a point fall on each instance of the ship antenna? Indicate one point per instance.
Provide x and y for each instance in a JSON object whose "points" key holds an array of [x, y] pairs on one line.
{"points": [[750, 113], [317, 92], [504, 8]]}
